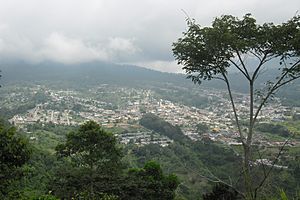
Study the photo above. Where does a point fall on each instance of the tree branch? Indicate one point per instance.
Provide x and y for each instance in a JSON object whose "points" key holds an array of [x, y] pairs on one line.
{"points": [[285, 82], [240, 69], [263, 165], [273, 164], [234, 108], [229, 185], [262, 61], [213, 179], [256, 55], [218, 180], [243, 64], [218, 78], [275, 87]]}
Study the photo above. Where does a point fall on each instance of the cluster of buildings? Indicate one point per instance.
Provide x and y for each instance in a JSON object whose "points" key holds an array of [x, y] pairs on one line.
{"points": [[144, 138], [41, 115], [269, 163], [74, 107]]}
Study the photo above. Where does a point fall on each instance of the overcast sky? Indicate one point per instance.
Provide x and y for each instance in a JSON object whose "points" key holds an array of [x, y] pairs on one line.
{"points": [[137, 32]]}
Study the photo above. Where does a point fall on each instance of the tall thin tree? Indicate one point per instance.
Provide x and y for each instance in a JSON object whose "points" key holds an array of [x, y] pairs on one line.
{"points": [[206, 53]]}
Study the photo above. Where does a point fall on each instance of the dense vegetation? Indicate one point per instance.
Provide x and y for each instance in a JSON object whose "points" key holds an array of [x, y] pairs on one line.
{"points": [[87, 165], [45, 172], [274, 129], [66, 171], [200, 164], [14, 153], [155, 123]]}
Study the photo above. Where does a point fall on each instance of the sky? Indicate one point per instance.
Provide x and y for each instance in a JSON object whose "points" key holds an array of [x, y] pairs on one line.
{"points": [[139, 32]]}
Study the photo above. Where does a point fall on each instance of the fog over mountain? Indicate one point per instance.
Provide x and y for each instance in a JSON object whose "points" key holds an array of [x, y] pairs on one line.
{"points": [[128, 32], [99, 72], [89, 73]]}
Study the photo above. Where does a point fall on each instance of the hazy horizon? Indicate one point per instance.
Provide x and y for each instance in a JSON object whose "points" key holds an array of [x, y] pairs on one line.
{"points": [[128, 32]]}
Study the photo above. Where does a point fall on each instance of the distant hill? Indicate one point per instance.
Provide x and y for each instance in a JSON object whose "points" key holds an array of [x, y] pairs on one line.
{"points": [[93, 73], [85, 74]]}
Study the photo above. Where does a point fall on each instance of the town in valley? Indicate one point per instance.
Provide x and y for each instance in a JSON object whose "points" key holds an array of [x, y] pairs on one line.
{"points": [[123, 107]]}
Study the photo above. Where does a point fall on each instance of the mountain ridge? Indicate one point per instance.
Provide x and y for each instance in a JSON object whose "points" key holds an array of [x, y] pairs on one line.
{"points": [[94, 73]]}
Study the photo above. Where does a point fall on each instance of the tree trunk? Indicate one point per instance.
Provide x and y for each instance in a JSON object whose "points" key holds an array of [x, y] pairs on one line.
{"points": [[92, 181], [247, 173], [248, 146]]}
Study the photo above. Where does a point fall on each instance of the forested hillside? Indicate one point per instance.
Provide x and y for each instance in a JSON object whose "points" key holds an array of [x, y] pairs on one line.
{"points": [[190, 167], [88, 75], [149, 100]]}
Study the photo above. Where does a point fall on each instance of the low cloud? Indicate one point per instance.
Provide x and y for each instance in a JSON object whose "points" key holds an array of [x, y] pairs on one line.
{"points": [[164, 66], [60, 48], [129, 31], [122, 49], [118, 44]]}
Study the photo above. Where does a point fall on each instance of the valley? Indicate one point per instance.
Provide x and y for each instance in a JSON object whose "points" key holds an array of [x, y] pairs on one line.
{"points": [[121, 108]]}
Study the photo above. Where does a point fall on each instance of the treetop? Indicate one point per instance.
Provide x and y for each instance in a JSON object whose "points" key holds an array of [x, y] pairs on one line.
{"points": [[209, 51]]}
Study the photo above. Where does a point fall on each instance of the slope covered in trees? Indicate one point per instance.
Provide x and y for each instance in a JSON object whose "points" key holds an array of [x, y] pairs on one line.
{"points": [[86, 75], [88, 165], [14, 153], [157, 124], [194, 163]]}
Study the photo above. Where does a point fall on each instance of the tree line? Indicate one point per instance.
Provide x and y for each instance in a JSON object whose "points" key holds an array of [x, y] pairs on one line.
{"points": [[88, 165]]}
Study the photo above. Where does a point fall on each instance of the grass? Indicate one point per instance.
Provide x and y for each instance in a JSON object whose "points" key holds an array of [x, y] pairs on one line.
{"points": [[46, 140], [293, 126]]}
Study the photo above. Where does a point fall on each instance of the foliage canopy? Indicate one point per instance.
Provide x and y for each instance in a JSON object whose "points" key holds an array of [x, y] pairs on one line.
{"points": [[207, 53], [14, 153], [92, 147]]}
